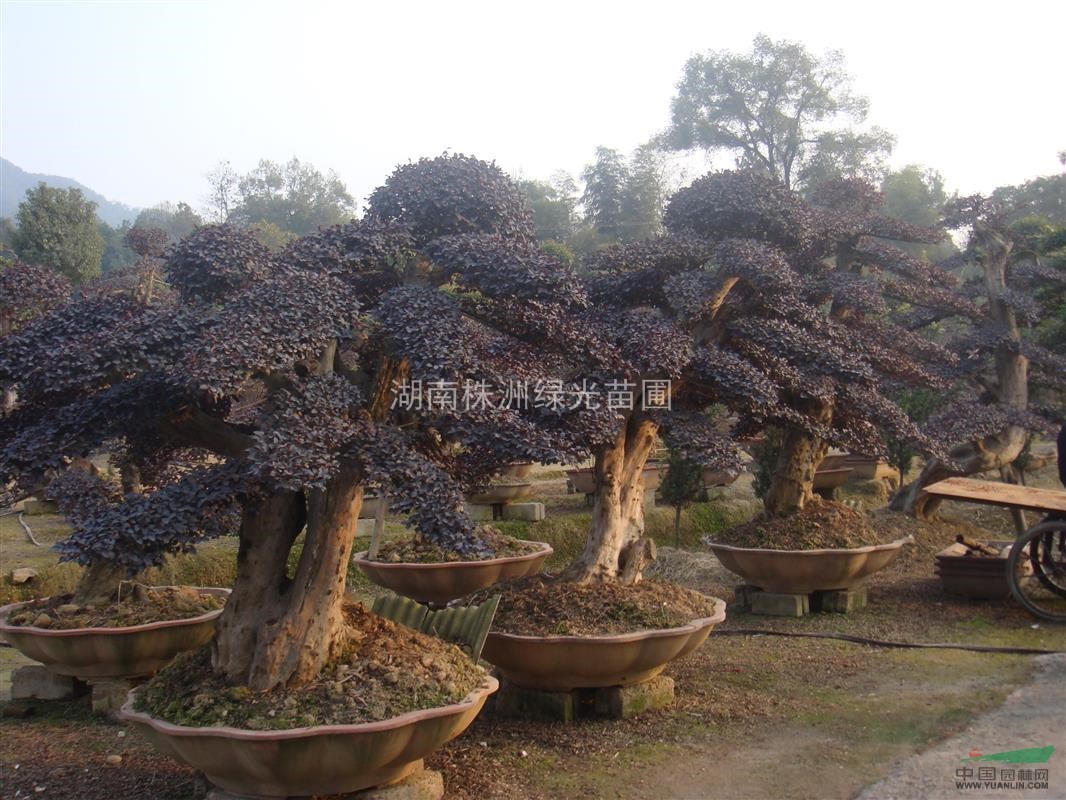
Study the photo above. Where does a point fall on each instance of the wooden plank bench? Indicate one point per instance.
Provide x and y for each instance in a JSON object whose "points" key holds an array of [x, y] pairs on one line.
{"points": [[1004, 495]]}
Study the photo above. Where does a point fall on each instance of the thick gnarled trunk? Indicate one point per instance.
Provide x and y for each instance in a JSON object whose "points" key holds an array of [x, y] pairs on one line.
{"points": [[792, 483], [615, 549], [281, 631], [99, 584], [1011, 389]]}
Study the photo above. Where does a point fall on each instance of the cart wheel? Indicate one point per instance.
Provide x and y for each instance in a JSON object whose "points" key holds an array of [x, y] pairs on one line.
{"points": [[1036, 570]]}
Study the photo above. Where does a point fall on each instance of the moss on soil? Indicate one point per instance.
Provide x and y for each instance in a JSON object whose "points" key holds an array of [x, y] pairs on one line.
{"points": [[389, 670], [538, 606], [416, 550], [140, 605], [820, 525]]}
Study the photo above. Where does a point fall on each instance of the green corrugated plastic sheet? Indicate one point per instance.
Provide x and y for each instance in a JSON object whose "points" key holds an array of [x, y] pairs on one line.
{"points": [[467, 626]]}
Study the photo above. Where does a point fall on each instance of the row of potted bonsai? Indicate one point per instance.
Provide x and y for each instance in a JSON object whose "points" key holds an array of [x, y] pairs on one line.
{"points": [[343, 758]]}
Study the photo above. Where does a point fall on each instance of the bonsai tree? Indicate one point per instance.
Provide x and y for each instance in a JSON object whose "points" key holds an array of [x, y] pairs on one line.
{"points": [[990, 423], [262, 393], [785, 304]]}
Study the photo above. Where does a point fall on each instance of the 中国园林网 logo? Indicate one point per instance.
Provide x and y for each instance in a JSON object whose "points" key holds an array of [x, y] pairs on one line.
{"points": [[1029, 755]]}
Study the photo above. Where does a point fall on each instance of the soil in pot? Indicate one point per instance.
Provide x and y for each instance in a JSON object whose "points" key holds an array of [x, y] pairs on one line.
{"points": [[415, 550], [389, 670], [539, 606], [138, 605], [821, 525]]}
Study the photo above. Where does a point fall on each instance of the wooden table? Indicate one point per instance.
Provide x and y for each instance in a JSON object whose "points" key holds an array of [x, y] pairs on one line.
{"points": [[1004, 495]]}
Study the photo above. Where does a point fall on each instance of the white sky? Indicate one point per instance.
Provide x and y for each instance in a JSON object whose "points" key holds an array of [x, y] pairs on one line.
{"points": [[138, 100]]}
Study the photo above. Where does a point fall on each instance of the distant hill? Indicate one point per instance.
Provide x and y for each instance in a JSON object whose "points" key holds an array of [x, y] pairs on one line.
{"points": [[14, 181]]}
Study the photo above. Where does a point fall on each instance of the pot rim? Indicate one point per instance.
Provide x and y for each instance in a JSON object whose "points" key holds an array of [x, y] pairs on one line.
{"points": [[545, 550], [5, 612], [476, 695], [870, 548], [654, 633]]}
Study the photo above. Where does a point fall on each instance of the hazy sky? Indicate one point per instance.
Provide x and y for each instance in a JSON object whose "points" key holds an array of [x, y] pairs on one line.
{"points": [[138, 100]]}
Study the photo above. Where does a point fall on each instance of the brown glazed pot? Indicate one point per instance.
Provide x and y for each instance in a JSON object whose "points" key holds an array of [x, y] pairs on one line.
{"points": [[719, 477], [584, 480], [110, 653], [869, 469], [322, 760], [806, 571], [826, 479], [518, 470], [578, 662], [443, 582]]}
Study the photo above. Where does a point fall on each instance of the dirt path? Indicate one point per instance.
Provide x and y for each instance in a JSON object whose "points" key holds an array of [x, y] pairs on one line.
{"points": [[1033, 716]]}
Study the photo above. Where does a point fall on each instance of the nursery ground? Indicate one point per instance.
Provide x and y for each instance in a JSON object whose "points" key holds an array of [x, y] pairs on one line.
{"points": [[755, 716]]}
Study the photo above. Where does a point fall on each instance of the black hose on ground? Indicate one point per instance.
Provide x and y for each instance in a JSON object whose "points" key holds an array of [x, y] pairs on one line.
{"points": [[843, 637]]}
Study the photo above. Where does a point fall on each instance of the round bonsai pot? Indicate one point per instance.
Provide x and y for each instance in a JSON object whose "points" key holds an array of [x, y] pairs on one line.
{"points": [[870, 469], [322, 760], [445, 581], [834, 460], [110, 653], [518, 470], [502, 493], [806, 571], [719, 477], [584, 479], [369, 508], [578, 662], [829, 479]]}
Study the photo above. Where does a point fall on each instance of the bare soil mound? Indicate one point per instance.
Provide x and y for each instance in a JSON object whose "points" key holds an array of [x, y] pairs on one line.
{"points": [[139, 606], [821, 525], [388, 670], [538, 606], [415, 550]]}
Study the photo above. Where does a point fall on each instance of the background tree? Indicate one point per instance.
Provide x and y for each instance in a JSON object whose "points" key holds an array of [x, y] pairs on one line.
{"points": [[177, 220], [779, 109], [58, 227], [295, 197], [1041, 197], [680, 487], [916, 195], [116, 254], [222, 196], [553, 205], [603, 199]]}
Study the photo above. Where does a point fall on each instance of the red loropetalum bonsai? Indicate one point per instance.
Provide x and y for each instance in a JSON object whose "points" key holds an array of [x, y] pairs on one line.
{"points": [[258, 397]]}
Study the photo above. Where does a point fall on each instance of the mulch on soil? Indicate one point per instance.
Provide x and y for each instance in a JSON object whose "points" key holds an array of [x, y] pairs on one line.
{"points": [[416, 550], [388, 670], [139, 606], [538, 606], [820, 525]]}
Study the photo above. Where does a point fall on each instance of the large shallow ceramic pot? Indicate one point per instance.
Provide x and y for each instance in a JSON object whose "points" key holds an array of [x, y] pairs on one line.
{"points": [[577, 662], [825, 480], [498, 493], [517, 471], [584, 480], [110, 653], [806, 571], [719, 477], [835, 459], [322, 760], [445, 581], [870, 469]]}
